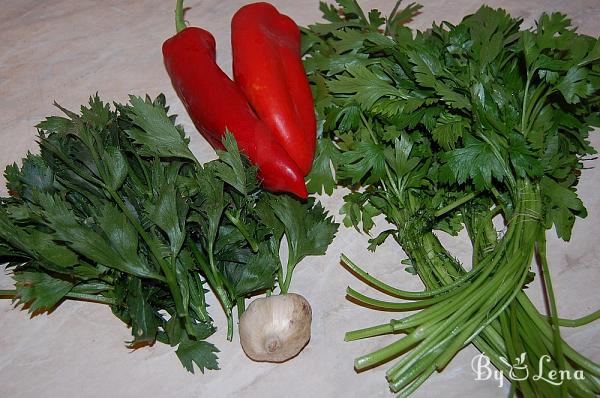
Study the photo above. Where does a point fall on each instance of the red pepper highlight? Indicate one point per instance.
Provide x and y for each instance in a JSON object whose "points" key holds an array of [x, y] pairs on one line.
{"points": [[215, 103], [268, 68]]}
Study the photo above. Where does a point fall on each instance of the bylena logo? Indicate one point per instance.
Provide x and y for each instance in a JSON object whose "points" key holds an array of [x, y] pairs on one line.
{"points": [[518, 370]]}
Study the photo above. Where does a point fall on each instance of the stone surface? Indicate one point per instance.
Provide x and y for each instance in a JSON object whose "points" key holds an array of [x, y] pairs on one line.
{"points": [[66, 50]]}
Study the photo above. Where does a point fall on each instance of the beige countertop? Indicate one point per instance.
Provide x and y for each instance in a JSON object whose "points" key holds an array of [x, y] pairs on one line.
{"points": [[66, 50]]}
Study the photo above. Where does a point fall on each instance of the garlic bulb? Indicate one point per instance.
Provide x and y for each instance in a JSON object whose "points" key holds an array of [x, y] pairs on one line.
{"points": [[275, 328]]}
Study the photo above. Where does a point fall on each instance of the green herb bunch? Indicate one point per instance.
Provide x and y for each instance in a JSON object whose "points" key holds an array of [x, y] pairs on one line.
{"points": [[447, 129], [117, 210]]}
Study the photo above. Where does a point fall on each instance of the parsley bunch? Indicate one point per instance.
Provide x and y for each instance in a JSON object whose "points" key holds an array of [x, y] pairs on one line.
{"points": [[116, 210], [445, 129]]}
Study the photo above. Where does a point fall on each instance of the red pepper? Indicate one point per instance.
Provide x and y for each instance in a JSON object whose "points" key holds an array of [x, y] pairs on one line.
{"points": [[268, 68], [215, 103]]}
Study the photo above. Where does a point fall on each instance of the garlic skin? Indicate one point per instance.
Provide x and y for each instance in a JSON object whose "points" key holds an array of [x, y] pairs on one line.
{"points": [[275, 328]]}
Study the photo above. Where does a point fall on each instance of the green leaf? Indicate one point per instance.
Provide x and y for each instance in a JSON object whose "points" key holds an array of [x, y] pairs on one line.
{"points": [[144, 322], [380, 239], [404, 15], [376, 19], [257, 274], [562, 205], [97, 115], [308, 229], [575, 86], [155, 133], [330, 12], [35, 175], [322, 175], [120, 233], [427, 67], [449, 129], [524, 162], [54, 256], [367, 160], [183, 265], [476, 162], [115, 167], [211, 204], [348, 40], [168, 211], [39, 290], [85, 241], [235, 170], [365, 86], [55, 124], [352, 10], [201, 353]]}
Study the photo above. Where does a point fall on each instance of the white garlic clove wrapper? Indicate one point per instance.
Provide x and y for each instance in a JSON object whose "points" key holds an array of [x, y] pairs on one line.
{"points": [[275, 328]]}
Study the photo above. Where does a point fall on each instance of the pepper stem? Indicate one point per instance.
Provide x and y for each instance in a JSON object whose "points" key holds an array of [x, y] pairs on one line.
{"points": [[179, 21]]}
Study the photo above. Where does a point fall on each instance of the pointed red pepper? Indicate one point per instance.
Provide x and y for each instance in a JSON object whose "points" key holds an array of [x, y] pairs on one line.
{"points": [[215, 103], [267, 66]]}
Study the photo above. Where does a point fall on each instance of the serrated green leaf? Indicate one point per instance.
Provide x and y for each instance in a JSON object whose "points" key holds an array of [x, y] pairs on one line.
{"points": [[144, 323], [40, 291], [476, 161], [200, 353], [365, 86], [322, 175], [97, 114], [120, 233], [562, 205], [234, 170], [168, 211], [155, 132], [257, 274], [449, 129], [575, 86], [85, 241], [308, 229], [115, 167], [367, 162], [55, 124]]}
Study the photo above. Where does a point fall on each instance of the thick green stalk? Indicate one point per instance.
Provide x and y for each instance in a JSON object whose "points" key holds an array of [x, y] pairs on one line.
{"points": [[500, 295]]}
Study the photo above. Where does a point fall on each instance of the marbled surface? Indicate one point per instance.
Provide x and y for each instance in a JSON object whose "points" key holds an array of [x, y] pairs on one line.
{"points": [[65, 50]]}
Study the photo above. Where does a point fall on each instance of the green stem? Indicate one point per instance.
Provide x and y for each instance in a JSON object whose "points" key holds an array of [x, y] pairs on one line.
{"points": [[525, 101], [221, 291], [179, 20], [392, 291], [241, 306], [391, 306], [575, 323], [391, 17], [290, 269], [10, 294], [558, 351], [212, 277], [455, 204]]}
